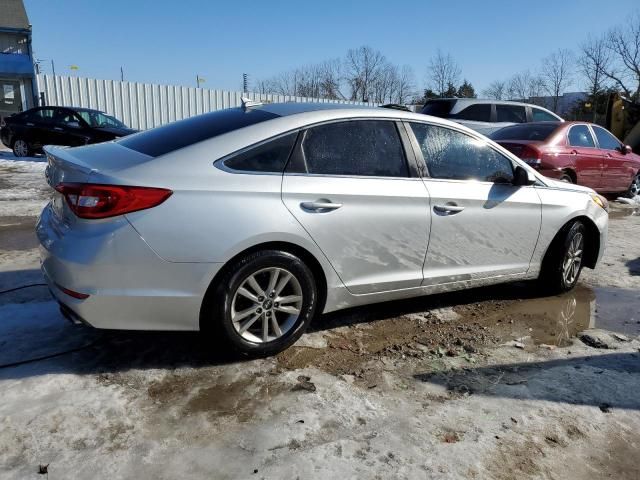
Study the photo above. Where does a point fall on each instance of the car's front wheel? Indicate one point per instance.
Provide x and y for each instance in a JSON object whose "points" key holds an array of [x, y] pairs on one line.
{"points": [[563, 263], [264, 303], [21, 148]]}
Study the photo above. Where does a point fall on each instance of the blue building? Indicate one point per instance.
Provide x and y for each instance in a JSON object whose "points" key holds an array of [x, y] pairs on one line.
{"points": [[17, 77]]}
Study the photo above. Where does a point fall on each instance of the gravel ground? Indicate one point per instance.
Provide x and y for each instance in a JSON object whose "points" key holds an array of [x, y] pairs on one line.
{"points": [[493, 383]]}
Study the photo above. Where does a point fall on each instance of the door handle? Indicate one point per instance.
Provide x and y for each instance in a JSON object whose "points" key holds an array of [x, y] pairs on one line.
{"points": [[29, 124], [574, 152], [448, 209], [59, 129], [321, 205]]}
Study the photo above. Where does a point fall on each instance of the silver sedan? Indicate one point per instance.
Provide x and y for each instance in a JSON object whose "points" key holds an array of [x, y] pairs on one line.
{"points": [[249, 222]]}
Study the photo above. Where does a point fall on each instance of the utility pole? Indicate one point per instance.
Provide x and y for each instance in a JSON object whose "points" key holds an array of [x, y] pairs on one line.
{"points": [[245, 83], [53, 67], [121, 74]]}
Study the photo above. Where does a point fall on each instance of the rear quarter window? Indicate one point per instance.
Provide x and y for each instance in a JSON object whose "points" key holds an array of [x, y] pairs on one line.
{"points": [[174, 136]]}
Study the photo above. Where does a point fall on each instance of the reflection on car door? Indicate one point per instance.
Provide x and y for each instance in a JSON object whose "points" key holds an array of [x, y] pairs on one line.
{"points": [[582, 153], [348, 184], [481, 224], [617, 170]]}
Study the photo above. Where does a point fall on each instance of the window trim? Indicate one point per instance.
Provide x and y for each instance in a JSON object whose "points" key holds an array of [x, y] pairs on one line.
{"points": [[298, 146], [418, 151], [220, 164], [593, 136]]}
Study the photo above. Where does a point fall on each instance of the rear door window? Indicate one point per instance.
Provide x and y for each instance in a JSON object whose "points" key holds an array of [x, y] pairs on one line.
{"points": [[453, 155], [511, 113], [42, 115], [270, 157], [538, 115], [606, 140], [354, 148], [174, 136], [580, 136], [480, 112]]}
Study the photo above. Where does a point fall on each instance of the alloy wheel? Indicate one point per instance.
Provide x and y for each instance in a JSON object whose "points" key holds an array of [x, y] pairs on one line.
{"points": [[634, 189], [266, 305], [573, 259], [21, 148]]}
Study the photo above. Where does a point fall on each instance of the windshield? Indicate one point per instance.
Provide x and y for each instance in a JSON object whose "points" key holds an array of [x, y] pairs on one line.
{"points": [[534, 132], [100, 120], [438, 108]]}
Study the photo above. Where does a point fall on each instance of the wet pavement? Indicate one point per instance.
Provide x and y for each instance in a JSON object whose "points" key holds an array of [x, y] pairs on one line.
{"points": [[17, 233]]}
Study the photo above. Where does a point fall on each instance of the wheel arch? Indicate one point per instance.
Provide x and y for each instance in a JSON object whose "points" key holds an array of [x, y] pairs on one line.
{"points": [[572, 173], [592, 245], [302, 253]]}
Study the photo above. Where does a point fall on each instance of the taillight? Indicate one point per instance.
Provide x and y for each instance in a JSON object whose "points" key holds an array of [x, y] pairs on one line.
{"points": [[102, 201], [531, 156]]}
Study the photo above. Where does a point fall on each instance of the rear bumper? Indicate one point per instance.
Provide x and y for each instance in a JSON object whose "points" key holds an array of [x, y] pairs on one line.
{"points": [[129, 286]]}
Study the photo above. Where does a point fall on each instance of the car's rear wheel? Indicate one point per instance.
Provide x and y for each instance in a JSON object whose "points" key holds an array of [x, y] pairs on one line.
{"points": [[264, 303], [562, 266], [21, 148], [634, 188]]}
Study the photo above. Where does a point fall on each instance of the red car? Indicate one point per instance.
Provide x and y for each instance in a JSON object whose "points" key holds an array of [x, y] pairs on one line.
{"points": [[576, 152]]}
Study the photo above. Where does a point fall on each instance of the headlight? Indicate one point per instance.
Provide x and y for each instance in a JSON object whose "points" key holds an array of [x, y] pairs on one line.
{"points": [[600, 201]]}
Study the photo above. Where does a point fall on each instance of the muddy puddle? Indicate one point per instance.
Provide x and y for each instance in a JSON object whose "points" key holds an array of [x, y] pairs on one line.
{"points": [[624, 213], [557, 320], [17, 233]]}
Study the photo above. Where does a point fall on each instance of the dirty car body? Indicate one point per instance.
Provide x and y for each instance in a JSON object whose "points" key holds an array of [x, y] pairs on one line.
{"points": [[259, 218]]}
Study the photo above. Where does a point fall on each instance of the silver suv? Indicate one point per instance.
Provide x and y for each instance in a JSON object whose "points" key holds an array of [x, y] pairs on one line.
{"points": [[487, 116]]}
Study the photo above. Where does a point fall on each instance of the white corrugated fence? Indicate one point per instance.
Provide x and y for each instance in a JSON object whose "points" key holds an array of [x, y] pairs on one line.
{"points": [[148, 105]]}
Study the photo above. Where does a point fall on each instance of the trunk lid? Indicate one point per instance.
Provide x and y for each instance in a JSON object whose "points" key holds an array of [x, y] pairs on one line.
{"points": [[519, 147]]}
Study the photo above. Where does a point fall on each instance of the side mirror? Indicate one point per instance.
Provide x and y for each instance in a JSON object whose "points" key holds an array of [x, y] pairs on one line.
{"points": [[73, 124], [523, 177], [626, 149]]}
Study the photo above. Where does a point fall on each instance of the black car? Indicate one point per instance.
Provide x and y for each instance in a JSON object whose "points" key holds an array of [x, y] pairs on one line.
{"points": [[27, 132]]}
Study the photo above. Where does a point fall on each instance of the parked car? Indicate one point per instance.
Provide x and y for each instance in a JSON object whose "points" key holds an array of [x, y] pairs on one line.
{"points": [[248, 222], [575, 152], [486, 116], [27, 132]]}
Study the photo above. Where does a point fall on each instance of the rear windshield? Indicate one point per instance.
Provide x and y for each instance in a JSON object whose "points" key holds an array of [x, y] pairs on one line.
{"points": [[161, 140], [539, 132], [438, 108]]}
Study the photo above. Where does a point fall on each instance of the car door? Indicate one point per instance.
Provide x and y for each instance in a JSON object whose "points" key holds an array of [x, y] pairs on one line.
{"points": [[69, 129], [349, 185], [581, 154], [38, 125], [482, 225], [617, 169]]}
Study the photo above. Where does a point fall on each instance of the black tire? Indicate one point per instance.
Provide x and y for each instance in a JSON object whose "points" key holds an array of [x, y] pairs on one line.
{"points": [[216, 316], [21, 148], [634, 188], [565, 177], [553, 276]]}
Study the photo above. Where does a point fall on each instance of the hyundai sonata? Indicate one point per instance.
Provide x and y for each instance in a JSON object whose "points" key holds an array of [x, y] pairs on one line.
{"points": [[249, 222]]}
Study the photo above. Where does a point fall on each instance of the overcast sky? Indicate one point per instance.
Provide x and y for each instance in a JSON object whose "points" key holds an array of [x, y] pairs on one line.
{"points": [[170, 42]]}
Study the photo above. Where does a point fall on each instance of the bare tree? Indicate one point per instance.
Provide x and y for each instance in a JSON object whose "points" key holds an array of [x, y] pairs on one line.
{"points": [[443, 72], [593, 62], [406, 85], [556, 73], [497, 90], [623, 44], [364, 67]]}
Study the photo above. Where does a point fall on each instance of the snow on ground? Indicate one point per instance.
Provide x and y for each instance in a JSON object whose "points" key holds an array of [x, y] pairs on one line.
{"points": [[23, 190], [428, 388]]}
